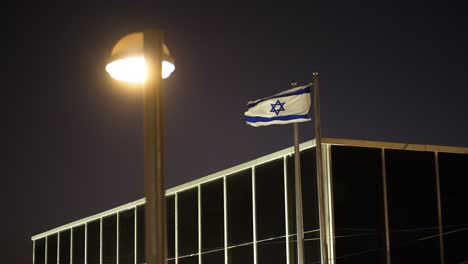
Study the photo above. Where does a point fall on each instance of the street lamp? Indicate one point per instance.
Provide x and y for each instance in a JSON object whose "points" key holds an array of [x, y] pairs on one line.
{"points": [[128, 62], [144, 58]]}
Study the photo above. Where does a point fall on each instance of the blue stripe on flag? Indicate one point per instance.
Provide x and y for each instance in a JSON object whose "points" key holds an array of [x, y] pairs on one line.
{"points": [[255, 119], [298, 92]]}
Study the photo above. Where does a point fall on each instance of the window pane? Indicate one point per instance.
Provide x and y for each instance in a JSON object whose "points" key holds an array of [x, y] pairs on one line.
{"points": [[93, 247], [272, 251], [141, 234], [241, 254], [216, 257], [239, 207], [170, 211], [309, 207], [212, 215], [412, 201], [453, 170], [52, 249], [269, 198], [187, 211], [189, 260], [39, 251], [64, 251], [78, 245], [358, 204], [127, 237], [109, 240]]}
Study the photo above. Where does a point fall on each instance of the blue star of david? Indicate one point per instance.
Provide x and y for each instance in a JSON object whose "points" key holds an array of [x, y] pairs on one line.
{"points": [[274, 107]]}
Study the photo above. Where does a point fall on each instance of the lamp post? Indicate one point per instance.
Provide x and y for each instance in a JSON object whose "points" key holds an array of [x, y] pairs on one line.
{"points": [[144, 58]]}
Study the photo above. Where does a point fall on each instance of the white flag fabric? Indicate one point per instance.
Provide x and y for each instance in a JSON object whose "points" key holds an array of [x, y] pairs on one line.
{"points": [[283, 108]]}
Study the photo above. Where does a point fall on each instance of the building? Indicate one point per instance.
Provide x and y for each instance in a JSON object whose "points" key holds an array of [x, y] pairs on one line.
{"points": [[385, 202]]}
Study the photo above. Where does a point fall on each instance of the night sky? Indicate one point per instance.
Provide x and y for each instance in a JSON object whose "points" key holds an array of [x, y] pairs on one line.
{"points": [[73, 139]]}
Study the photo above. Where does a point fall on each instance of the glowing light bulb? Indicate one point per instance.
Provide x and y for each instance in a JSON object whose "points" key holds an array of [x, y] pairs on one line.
{"points": [[134, 69]]}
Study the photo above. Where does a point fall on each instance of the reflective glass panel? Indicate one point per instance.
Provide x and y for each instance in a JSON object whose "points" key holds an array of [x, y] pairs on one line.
{"points": [[239, 207], [127, 237], [412, 202], [64, 247], [453, 171], [78, 245], [92, 245], [39, 251], [141, 234], [212, 215], [216, 257], [52, 249], [241, 254], [358, 204], [272, 251], [269, 200], [189, 260], [170, 210], [187, 212], [109, 239]]}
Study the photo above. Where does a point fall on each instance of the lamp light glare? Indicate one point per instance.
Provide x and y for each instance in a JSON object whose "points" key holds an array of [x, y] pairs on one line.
{"points": [[134, 69], [167, 69]]}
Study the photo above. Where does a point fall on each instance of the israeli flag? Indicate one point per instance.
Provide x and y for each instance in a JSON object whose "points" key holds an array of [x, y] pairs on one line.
{"points": [[283, 108]]}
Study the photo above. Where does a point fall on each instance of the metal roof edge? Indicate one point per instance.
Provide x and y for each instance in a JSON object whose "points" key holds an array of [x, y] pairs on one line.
{"points": [[91, 218], [258, 161], [394, 145], [182, 187]]}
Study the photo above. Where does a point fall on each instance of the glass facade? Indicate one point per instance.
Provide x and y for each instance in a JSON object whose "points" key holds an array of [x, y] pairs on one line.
{"points": [[453, 169], [64, 247], [187, 223], [239, 208], [358, 204], [412, 206], [109, 239], [127, 237], [385, 204], [270, 212], [93, 240], [52, 249], [78, 245], [212, 220]]}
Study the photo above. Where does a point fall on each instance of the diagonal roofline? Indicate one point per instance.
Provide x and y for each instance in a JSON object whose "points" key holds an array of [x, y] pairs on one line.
{"points": [[255, 162]]}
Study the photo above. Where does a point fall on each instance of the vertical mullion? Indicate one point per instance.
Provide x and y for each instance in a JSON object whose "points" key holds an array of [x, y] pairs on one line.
{"points": [[254, 216], [286, 208], [45, 253], [58, 247], [225, 222], [135, 233], [71, 245], [34, 252], [100, 240], [439, 209], [385, 194], [176, 224], [117, 239], [86, 244], [328, 196], [199, 226]]}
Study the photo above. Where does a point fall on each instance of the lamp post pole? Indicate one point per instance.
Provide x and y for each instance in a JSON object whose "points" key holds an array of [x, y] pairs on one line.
{"points": [[155, 212]]}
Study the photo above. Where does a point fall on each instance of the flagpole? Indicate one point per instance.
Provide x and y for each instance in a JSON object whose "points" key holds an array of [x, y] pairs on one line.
{"points": [[298, 187], [318, 149]]}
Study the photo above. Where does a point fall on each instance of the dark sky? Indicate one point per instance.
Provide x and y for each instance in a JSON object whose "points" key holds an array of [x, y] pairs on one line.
{"points": [[73, 140]]}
